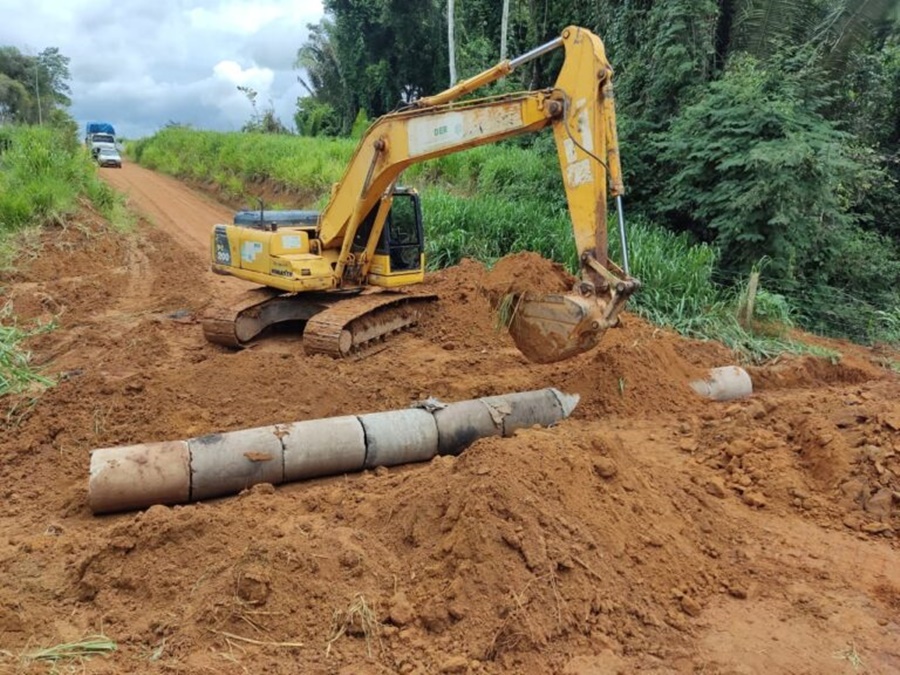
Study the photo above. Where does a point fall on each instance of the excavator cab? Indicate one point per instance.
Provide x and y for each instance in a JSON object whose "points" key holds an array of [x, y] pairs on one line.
{"points": [[399, 257]]}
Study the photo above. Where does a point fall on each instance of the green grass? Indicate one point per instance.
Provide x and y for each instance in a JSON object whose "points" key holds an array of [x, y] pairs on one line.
{"points": [[233, 160], [679, 291], [92, 645], [490, 201], [16, 373], [43, 176], [486, 227]]}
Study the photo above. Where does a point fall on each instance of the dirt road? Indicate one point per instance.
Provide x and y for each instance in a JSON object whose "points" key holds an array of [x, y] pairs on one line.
{"points": [[185, 215], [653, 531]]}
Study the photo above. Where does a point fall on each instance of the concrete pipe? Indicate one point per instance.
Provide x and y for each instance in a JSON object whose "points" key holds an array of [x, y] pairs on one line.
{"points": [[136, 476], [399, 437], [461, 424], [325, 447], [724, 384], [139, 476], [223, 464], [517, 411]]}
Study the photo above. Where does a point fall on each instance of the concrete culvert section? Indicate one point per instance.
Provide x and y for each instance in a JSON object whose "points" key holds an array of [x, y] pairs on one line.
{"points": [[215, 465], [399, 437], [461, 424], [136, 476], [726, 383], [544, 407], [223, 464], [324, 447]]}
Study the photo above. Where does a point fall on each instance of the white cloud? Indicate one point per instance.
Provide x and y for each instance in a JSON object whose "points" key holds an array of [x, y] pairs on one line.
{"points": [[143, 63], [252, 76], [237, 17]]}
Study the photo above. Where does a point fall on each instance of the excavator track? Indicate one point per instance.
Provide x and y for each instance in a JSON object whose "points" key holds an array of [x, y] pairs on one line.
{"points": [[335, 325], [351, 326], [237, 323]]}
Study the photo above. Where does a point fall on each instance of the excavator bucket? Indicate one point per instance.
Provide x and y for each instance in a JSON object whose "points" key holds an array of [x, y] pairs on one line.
{"points": [[555, 327]]}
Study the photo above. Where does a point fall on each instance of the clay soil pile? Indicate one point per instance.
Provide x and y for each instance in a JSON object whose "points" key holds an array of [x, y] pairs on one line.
{"points": [[652, 531], [526, 274]]}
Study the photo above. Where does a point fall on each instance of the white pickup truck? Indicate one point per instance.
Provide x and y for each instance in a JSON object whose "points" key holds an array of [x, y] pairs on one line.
{"points": [[100, 135]]}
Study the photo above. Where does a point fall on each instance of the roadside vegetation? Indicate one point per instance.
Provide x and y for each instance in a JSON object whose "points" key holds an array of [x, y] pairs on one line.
{"points": [[45, 178], [234, 161], [44, 174]]}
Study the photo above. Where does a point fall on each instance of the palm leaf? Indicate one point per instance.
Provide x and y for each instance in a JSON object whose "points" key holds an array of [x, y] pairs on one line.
{"points": [[833, 28], [849, 24], [761, 26]]}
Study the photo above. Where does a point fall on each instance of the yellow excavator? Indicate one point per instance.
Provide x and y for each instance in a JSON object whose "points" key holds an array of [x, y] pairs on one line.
{"points": [[347, 271]]}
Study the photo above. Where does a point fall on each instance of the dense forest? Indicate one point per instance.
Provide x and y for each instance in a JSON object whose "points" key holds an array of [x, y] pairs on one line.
{"points": [[770, 129]]}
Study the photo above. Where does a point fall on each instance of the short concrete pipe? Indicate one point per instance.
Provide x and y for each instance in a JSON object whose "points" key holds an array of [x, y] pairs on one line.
{"points": [[399, 437], [543, 407], [223, 464], [461, 424], [324, 447], [725, 384], [136, 476]]}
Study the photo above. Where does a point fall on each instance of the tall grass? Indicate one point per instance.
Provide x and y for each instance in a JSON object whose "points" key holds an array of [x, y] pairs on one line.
{"points": [[44, 174], [679, 291], [231, 160], [486, 227], [485, 203]]}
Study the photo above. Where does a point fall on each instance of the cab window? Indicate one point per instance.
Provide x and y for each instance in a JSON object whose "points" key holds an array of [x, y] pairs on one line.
{"points": [[404, 226]]}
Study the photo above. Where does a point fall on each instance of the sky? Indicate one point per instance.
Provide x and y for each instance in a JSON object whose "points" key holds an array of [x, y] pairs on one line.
{"points": [[140, 64]]}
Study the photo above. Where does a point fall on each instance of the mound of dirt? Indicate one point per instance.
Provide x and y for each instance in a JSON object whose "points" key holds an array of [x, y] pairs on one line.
{"points": [[526, 274], [653, 530], [502, 558]]}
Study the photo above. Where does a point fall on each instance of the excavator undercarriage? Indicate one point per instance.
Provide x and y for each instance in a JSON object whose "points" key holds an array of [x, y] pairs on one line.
{"points": [[337, 324]]}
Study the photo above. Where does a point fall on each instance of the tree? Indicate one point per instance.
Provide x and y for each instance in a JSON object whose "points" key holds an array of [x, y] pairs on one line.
{"points": [[54, 76], [262, 123], [14, 99], [835, 27], [33, 87], [752, 167], [374, 55], [451, 40]]}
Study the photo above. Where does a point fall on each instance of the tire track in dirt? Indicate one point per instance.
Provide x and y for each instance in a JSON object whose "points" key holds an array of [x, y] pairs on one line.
{"points": [[184, 214], [186, 217]]}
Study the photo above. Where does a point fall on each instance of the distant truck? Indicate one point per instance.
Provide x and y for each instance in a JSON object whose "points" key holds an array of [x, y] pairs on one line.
{"points": [[99, 135]]}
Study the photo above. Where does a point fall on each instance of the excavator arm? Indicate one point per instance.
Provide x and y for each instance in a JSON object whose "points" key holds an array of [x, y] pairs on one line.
{"points": [[580, 109]]}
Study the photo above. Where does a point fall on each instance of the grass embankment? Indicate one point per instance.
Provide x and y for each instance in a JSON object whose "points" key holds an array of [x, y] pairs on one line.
{"points": [[45, 176], [485, 203]]}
